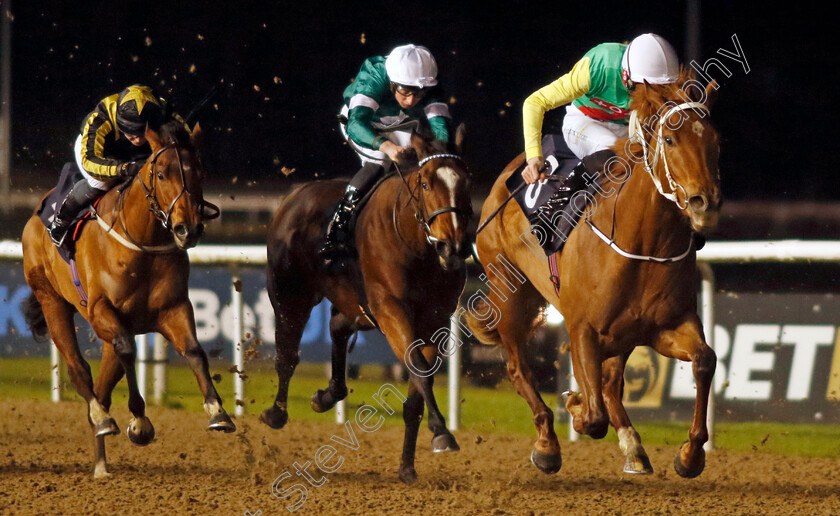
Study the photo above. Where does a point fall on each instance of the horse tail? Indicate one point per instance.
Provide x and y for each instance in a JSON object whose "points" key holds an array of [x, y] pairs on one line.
{"points": [[481, 331], [34, 315]]}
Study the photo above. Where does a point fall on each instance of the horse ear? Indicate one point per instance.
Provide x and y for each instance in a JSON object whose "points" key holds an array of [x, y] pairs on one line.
{"points": [[460, 136], [195, 136], [153, 139], [418, 144], [711, 93]]}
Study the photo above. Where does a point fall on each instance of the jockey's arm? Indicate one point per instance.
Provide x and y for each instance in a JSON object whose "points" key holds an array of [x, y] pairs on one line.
{"points": [[562, 91], [94, 133], [437, 113], [359, 127]]}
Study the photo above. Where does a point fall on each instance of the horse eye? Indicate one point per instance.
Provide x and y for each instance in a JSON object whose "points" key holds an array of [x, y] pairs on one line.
{"points": [[425, 186], [160, 176], [669, 141]]}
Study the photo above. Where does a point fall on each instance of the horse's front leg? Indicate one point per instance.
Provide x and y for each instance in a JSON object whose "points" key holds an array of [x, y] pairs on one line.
{"points": [[687, 343], [590, 414], [119, 344], [177, 325], [636, 459], [395, 323]]}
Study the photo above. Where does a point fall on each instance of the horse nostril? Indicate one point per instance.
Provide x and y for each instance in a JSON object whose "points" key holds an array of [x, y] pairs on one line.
{"points": [[181, 230], [698, 203]]}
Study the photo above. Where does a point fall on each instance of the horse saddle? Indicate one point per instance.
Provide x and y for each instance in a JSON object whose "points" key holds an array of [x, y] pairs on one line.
{"points": [[70, 175], [551, 205]]}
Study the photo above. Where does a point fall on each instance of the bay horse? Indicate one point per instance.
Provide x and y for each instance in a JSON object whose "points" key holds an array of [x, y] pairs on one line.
{"points": [[412, 241], [613, 302], [133, 268]]}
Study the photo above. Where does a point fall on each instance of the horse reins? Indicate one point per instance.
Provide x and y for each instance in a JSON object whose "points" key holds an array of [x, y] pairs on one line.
{"points": [[154, 206]]}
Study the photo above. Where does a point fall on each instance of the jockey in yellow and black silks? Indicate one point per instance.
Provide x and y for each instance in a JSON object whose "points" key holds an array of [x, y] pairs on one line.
{"points": [[110, 147]]}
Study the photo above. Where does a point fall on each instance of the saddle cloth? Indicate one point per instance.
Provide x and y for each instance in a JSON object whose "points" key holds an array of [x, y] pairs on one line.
{"points": [[551, 229], [52, 202]]}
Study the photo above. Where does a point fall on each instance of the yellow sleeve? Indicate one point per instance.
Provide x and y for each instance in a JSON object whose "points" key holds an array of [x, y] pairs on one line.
{"points": [[562, 91]]}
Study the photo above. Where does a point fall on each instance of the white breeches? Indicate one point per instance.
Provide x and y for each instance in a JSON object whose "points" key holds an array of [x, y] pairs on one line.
{"points": [[585, 135]]}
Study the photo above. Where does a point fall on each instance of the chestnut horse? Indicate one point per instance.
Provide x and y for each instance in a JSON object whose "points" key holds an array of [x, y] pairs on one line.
{"points": [[412, 240], [133, 268], [613, 302]]}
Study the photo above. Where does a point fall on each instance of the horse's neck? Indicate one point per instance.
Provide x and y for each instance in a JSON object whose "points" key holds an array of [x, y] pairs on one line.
{"points": [[645, 222], [141, 224]]}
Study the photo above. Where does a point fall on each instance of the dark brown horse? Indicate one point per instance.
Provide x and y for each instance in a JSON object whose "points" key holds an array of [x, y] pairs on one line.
{"points": [[411, 239], [135, 278], [614, 302]]}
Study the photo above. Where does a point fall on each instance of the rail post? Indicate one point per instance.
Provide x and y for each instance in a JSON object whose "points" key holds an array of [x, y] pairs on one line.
{"points": [[238, 338]]}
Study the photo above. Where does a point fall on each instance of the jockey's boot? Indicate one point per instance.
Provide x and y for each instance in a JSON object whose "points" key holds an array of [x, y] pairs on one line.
{"points": [[336, 245], [79, 196], [566, 188]]}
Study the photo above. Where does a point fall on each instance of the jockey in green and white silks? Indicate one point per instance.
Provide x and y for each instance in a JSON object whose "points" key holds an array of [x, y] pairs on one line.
{"points": [[598, 87], [390, 96]]}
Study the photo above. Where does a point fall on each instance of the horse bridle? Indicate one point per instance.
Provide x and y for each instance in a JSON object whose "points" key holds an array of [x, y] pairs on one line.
{"points": [[151, 194], [636, 134], [426, 222]]}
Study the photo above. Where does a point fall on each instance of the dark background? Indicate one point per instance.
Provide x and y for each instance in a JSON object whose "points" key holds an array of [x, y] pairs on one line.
{"points": [[281, 68]]}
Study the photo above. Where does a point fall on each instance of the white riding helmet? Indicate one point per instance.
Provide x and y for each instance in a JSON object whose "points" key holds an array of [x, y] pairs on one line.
{"points": [[412, 65], [650, 58]]}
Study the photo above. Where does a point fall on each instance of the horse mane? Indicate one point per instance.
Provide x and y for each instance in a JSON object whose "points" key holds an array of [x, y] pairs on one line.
{"points": [[174, 132], [646, 98]]}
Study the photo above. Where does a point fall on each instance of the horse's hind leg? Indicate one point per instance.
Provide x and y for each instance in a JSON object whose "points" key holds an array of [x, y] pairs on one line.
{"points": [[517, 316], [110, 373], [636, 459], [589, 412], [341, 329], [177, 325], [686, 343], [59, 316], [290, 320]]}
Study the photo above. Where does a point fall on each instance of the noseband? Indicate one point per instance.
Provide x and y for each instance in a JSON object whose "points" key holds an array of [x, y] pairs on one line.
{"points": [[426, 222]]}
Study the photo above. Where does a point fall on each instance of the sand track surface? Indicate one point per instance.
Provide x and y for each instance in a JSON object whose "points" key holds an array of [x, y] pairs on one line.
{"points": [[46, 464]]}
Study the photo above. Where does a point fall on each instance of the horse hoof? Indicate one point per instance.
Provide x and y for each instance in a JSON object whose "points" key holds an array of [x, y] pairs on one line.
{"points": [[445, 443], [548, 463], [100, 473], [325, 399], [638, 465], [107, 427], [686, 472], [275, 417], [221, 422], [408, 476], [321, 402], [140, 431]]}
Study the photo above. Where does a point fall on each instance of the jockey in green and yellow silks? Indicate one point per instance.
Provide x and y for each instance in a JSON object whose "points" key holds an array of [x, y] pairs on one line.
{"points": [[111, 146], [389, 97], [598, 88]]}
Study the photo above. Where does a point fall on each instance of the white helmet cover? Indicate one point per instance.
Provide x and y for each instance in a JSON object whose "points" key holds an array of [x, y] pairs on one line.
{"points": [[650, 58], [412, 65]]}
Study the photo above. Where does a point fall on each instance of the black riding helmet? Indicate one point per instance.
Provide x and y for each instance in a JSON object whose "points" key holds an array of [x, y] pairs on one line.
{"points": [[137, 106]]}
